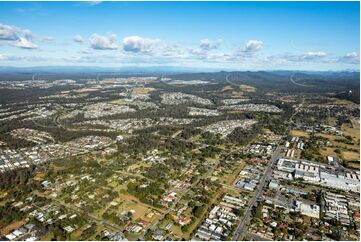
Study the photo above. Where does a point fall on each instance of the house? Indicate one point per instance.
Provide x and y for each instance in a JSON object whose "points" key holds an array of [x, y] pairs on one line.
{"points": [[184, 221], [158, 234]]}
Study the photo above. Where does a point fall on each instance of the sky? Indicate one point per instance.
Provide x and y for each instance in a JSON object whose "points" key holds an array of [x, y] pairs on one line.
{"points": [[220, 35]]}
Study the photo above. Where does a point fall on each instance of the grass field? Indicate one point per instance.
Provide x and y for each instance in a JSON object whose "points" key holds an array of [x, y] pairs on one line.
{"points": [[350, 155], [237, 94], [299, 133], [141, 90], [119, 102], [327, 151], [336, 101], [353, 132]]}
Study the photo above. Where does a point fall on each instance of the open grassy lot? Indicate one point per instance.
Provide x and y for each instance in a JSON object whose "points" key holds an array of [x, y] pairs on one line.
{"points": [[119, 102], [299, 133], [351, 131], [141, 90], [237, 94], [327, 151], [350, 155], [336, 101], [335, 140]]}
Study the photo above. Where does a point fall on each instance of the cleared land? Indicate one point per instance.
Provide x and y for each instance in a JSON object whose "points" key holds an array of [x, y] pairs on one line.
{"points": [[299, 133], [119, 102], [141, 90], [247, 88]]}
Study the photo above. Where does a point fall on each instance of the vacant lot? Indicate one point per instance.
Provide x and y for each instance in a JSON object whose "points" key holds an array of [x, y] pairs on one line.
{"points": [[327, 151], [119, 102], [141, 90], [299, 133], [12, 226], [350, 155], [247, 88]]}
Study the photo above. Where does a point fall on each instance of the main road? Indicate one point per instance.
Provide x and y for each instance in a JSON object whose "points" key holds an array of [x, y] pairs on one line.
{"points": [[240, 230], [264, 180]]}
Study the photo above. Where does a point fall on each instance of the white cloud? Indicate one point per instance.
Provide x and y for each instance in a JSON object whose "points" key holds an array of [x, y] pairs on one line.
{"points": [[351, 58], [8, 32], [99, 42], [24, 44], [310, 56], [206, 44], [253, 46], [17, 37], [315, 54], [352, 55], [138, 44], [78, 38]]}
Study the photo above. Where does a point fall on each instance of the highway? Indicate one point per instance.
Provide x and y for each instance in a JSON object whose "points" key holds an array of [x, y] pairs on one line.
{"points": [[298, 84]]}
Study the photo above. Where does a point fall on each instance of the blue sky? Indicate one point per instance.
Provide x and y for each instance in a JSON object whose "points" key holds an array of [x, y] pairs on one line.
{"points": [[228, 35]]}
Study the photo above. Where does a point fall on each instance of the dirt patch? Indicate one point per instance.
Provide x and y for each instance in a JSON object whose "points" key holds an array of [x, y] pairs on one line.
{"points": [[12, 226], [247, 88], [227, 88]]}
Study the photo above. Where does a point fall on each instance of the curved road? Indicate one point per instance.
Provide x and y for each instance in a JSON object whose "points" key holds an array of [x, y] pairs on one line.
{"points": [[298, 84]]}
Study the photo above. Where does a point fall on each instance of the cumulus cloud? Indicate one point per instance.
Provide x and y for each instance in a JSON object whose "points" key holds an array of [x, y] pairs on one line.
{"points": [[253, 46], [352, 55], [77, 38], [351, 58], [24, 44], [206, 44], [99, 42], [8, 32], [18, 37], [138, 44]]}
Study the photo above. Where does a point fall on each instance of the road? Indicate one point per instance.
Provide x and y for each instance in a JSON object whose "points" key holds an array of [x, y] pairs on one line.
{"points": [[298, 84], [231, 83], [257, 194], [240, 230]]}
